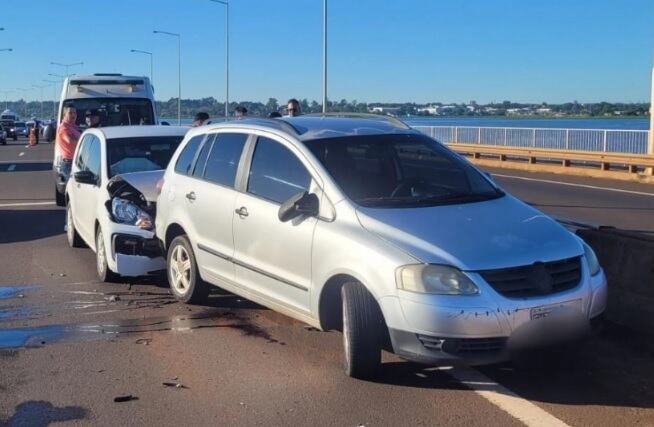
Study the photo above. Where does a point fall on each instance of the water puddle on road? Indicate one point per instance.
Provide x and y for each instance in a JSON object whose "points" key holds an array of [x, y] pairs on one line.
{"points": [[42, 335], [9, 292]]}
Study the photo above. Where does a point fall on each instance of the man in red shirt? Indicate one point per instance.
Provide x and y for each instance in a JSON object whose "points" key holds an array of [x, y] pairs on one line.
{"points": [[67, 137]]}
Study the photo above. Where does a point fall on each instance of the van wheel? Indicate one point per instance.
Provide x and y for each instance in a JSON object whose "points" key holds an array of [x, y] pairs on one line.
{"points": [[363, 327], [60, 199], [104, 273], [183, 275], [74, 241]]}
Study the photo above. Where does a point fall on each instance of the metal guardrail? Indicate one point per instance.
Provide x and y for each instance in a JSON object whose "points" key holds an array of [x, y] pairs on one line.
{"points": [[591, 140]]}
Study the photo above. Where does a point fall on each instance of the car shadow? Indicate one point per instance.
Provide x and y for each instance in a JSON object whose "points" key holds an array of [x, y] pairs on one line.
{"points": [[27, 225], [42, 413]]}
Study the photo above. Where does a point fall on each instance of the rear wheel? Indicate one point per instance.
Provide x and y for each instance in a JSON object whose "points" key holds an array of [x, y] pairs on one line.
{"points": [[74, 240], [104, 272], [363, 331], [183, 275]]}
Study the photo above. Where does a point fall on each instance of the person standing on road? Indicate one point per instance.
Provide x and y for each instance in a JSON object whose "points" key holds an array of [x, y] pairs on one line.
{"points": [[67, 135], [92, 118], [200, 119], [293, 108]]}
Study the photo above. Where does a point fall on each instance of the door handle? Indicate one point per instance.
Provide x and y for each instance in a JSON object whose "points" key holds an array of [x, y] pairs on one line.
{"points": [[242, 211], [190, 195]]}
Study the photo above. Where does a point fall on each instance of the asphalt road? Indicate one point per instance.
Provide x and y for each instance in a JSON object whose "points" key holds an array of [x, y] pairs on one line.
{"points": [[81, 343]]}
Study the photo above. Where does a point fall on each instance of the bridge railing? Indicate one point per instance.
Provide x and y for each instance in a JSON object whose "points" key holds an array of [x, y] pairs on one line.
{"points": [[596, 140]]}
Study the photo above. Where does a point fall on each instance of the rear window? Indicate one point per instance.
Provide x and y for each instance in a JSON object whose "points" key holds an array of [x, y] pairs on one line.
{"points": [[125, 155]]}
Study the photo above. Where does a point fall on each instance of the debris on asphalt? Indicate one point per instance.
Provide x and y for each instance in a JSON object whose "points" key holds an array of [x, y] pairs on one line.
{"points": [[145, 341], [20, 296], [62, 274], [176, 385], [125, 398], [114, 298]]}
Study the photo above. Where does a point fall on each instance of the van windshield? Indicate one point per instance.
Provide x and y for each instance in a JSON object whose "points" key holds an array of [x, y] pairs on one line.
{"points": [[403, 170], [114, 111]]}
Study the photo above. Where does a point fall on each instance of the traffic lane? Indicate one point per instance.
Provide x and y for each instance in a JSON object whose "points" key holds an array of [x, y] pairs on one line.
{"points": [[244, 365], [256, 363], [20, 151], [19, 186], [599, 205]]}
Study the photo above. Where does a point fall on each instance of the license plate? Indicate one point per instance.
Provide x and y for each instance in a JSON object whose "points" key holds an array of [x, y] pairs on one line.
{"points": [[545, 310]]}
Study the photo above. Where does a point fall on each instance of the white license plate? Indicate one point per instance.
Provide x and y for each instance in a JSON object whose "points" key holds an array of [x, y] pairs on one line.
{"points": [[545, 310]]}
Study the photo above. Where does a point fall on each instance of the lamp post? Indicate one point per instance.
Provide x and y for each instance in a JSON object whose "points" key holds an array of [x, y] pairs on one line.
{"points": [[54, 97], [146, 53], [226, 4], [67, 66], [179, 71], [6, 49], [324, 56]]}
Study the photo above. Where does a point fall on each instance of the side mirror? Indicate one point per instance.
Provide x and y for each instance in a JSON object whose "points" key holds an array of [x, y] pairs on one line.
{"points": [[165, 124], [300, 204], [86, 177]]}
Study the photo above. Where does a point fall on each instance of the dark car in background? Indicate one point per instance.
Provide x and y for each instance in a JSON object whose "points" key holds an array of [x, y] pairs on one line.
{"points": [[3, 136], [20, 129]]}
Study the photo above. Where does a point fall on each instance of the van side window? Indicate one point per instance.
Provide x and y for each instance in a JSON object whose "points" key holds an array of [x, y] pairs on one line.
{"points": [[222, 163], [276, 173], [187, 155]]}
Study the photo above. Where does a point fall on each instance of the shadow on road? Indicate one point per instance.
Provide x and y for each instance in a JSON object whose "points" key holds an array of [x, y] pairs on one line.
{"points": [[28, 225], [41, 413]]}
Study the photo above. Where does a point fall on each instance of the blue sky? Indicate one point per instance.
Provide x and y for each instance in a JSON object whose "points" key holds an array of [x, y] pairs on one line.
{"points": [[381, 50]]}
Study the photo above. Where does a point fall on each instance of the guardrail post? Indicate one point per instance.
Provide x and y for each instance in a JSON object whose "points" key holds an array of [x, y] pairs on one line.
{"points": [[604, 143], [456, 134], [479, 136], [504, 136], [533, 139], [567, 139]]}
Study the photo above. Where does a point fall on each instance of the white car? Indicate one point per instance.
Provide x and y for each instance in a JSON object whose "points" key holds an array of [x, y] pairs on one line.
{"points": [[365, 225], [110, 199]]}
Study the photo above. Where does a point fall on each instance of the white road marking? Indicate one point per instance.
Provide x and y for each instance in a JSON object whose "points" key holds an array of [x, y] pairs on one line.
{"points": [[570, 184], [11, 168], [519, 408], [22, 153], [12, 205], [9, 162]]}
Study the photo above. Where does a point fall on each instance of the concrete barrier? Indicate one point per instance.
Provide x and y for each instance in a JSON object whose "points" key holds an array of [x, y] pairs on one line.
{"points": [[628, 261]]}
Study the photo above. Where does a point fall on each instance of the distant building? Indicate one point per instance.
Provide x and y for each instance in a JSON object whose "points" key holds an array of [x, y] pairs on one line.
{"points": [[432, 110], [385, 110], [543, 110]]}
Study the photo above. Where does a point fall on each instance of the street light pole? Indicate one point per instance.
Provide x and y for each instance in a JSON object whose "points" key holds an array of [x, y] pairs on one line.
{"points": [[67, 66], [151, 68], [179, 72], [226, 4], [324, 56]]}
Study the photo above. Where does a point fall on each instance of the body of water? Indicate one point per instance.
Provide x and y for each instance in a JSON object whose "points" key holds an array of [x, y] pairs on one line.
{"points": [[599, 123]]}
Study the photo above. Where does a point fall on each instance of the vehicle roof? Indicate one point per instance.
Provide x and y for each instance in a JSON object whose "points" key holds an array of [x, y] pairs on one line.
{"points": [[105, 77], [310, 127], [141, 131]]}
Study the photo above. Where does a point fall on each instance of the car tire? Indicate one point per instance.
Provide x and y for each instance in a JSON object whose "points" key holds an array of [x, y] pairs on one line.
{"points": [[363, 331], [183, 276], [60, 199], [101, 266], [74, 240]]}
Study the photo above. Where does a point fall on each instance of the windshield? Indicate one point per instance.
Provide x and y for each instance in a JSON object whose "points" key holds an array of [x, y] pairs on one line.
{"points": [[20, 124], [125, 155], [114, 111], [400, 171]]}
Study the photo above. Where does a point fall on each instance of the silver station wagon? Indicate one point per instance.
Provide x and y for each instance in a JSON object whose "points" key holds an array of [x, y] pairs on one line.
{"points": [[364, 225]]}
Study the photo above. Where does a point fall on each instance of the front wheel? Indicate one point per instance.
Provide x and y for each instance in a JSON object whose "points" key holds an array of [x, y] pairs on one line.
{"points": [[363, 331], [104, 272], [183, 275]]}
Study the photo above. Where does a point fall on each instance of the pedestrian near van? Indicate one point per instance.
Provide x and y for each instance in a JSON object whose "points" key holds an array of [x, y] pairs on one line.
{"points": [[200, 119], [293, 108], [240, 112], [67, 135]]}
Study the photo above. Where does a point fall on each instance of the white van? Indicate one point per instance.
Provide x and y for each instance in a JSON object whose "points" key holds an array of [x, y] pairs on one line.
{"points": [[119, 101]]}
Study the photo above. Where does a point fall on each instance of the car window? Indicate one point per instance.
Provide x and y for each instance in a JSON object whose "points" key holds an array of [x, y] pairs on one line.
{"points": [[93, 156], [80, 162], [276, 173], [140, 154], [198, 168], [185, 158], [222, 163]]}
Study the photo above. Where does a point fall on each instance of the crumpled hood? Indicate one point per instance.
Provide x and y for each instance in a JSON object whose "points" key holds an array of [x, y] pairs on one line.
{"points": [[498, 233], [143, 182]]}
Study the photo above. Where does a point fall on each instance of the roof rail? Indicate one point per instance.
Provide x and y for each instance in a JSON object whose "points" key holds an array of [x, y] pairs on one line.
{"points": [[394, 120], [277, 122]]}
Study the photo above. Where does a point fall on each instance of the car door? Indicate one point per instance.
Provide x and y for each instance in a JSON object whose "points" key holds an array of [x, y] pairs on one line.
{"points": [[273, 258], [78, 191], [211, 208], [87, 194]]}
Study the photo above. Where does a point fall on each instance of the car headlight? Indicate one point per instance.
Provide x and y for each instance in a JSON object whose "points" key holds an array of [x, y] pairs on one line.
{"points": [[126, 212], [593, 264], [434, 279]]}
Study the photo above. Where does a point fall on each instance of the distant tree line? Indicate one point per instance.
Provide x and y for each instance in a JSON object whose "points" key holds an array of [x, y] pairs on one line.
{"points": [[216, 108]]}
